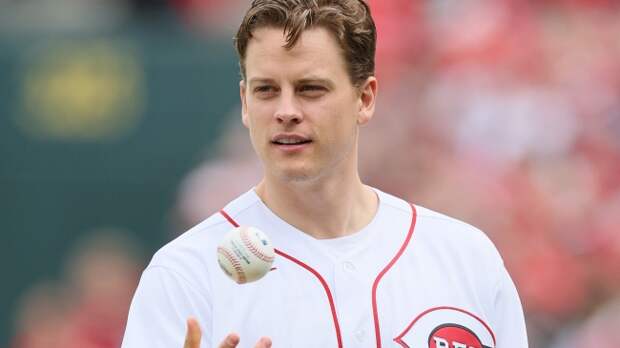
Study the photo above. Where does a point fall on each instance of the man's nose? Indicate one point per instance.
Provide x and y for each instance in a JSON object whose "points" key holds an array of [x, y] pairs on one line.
{"points": [[289, 110]]}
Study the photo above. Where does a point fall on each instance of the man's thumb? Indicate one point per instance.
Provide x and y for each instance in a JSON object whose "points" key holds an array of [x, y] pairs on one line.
{"points": [[192, 338]]}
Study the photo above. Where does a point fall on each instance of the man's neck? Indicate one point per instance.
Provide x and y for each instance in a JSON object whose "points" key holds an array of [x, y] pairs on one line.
{"points": [[328, 209]]}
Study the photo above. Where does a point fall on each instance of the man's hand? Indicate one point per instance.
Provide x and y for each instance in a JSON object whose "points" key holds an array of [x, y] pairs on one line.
{"points": [[193, 335], [192, 338]]}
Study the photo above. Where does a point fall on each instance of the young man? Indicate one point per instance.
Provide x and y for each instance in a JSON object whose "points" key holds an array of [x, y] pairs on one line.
{"points": [[355, 267]]}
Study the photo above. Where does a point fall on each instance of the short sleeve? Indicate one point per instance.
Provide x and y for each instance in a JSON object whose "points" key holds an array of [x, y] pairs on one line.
{"points": [[509, 325], [159, 310]]}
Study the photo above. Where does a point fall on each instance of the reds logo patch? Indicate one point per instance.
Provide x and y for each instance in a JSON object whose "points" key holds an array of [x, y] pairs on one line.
{"points": [[446, 327]]}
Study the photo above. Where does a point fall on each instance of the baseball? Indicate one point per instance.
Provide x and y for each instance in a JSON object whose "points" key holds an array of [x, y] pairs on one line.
{"points": [[245, 254]]}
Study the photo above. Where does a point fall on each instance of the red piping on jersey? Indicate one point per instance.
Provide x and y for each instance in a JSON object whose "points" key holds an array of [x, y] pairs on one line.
{"points": [[375, 312], [325, 286], [232, 222], [311, 270], [399, 339]]}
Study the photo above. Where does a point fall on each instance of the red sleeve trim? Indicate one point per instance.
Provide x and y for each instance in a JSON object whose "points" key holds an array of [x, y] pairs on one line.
{"points": [[330, 298], [375, 285]]}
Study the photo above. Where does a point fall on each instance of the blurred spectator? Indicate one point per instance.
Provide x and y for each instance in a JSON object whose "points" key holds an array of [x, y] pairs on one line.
{"points": [[209, 187], [89, 308], [401, 26], [599, 330], [102, 274], [41, 317], [211, 17]]}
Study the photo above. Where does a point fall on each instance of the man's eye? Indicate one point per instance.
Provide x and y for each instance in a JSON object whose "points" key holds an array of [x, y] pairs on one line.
{"points": [[264, 89], [312, 90]]}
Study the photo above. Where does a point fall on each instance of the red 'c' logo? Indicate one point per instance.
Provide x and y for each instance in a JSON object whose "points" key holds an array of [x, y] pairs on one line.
{"points": [[453, 335], [446, 327]]}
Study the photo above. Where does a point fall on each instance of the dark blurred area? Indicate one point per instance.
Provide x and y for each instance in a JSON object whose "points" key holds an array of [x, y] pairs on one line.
{"points": [[119, 129], [141, 6]]}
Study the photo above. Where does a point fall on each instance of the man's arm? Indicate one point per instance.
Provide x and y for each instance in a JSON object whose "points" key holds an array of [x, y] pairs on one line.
{"points": [[160, 307], [510, 330], [158, 310]]}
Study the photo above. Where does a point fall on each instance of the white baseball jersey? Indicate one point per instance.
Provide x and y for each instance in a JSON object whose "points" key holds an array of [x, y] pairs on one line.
{"points": [[411, 278]]}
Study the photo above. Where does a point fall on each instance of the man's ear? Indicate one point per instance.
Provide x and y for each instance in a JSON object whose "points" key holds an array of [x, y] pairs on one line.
{"points": [[367, 98], [244, 104]]}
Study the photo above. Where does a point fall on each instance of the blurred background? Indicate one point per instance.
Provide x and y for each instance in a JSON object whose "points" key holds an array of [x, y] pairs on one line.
{"points": [[119, 129]]}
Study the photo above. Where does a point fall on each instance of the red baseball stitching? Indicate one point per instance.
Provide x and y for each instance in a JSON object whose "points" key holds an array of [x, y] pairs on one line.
{"points": [[234, 262], [248, 244]]}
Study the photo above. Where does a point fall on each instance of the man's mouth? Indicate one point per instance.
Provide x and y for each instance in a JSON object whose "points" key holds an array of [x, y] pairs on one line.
{"points": [[290, 140]]}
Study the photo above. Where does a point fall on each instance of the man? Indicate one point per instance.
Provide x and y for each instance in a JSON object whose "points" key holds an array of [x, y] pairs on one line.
{"points": [[355, 267]]}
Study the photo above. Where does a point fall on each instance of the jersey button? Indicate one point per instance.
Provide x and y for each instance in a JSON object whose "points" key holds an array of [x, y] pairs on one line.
{"points": [[360, 335], [348, 266]]}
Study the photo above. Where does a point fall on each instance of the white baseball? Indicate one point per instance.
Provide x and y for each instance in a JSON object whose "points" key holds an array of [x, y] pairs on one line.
{"points": [[245, 254]]}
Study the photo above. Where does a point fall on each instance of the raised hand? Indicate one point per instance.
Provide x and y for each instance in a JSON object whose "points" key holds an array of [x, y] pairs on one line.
{"points": [[192, 338]]}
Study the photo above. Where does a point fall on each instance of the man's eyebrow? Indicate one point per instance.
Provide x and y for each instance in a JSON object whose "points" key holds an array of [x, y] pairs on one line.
{"points": [[306, 80], [256, 80], [317, 80]]}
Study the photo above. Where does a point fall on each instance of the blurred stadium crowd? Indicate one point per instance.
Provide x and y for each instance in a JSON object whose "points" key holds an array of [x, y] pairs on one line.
{"points": [[505, 114]]}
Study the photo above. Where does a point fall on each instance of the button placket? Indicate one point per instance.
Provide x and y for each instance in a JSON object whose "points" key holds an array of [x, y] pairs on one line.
{"points": [[360, 335], [348, 266]]}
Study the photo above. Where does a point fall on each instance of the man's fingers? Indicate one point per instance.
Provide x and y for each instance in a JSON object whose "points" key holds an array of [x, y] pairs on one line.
{"points": [[264, 342], [192, 338], [231, 341]]}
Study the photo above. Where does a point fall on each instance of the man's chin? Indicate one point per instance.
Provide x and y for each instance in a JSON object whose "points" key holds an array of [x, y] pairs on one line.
{"points": [[296, 175]]}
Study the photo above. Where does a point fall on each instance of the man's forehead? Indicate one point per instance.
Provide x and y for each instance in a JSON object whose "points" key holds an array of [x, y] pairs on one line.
{"points": [[267, 34], [270, 40], [314, 56]]}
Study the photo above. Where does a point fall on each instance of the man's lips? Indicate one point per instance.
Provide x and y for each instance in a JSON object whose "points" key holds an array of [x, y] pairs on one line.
{"points": [[290, 139], [290, 143]]}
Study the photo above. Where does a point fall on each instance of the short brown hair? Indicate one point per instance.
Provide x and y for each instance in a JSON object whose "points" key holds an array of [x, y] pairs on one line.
{"points": [[349, 21]]}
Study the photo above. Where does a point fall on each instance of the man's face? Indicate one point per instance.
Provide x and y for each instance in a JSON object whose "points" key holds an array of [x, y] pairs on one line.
{"points": [[300, 107]]}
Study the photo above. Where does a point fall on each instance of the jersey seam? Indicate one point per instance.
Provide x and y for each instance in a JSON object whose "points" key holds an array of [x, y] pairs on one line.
{"points": [[202, 229], [396, 206], [182, 277], [455, 222], [440, 217], [498, 278], [481, 235], [492, 322], [250, 205], [222, 219]]}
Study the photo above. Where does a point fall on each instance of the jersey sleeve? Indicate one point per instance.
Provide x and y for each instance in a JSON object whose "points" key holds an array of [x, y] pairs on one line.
{"points": [[159, 310], [510, 328]]}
